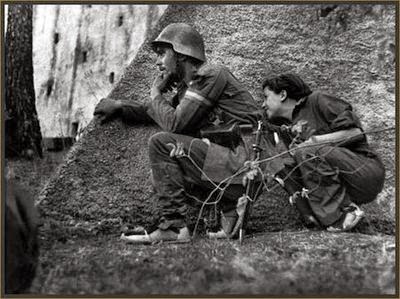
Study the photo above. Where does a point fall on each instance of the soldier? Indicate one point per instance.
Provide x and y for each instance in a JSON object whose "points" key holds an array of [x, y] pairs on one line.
{"points": [[332, 178], [208, 97]]}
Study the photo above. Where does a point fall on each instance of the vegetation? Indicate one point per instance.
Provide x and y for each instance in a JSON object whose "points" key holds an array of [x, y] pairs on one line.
{"points": [[23, 137]]}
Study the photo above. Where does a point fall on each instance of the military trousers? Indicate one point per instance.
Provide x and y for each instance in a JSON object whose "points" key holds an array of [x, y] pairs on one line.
{"points": [[174, 176], [336, 176]]}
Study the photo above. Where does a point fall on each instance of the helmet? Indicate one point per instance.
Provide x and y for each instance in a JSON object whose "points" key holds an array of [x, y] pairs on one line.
{"points": [[184, 40]]}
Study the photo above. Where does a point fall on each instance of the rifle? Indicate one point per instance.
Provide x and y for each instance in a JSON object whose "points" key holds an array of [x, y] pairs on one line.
{"points": [[244, 205]]}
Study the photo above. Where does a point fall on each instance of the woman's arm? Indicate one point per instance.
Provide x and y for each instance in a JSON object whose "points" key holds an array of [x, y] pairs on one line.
{"points": [[340, 138]]}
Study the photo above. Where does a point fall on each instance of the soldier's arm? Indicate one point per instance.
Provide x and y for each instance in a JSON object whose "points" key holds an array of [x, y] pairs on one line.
{"points": [[130, 112], [193, 108], [135, 113], [185, 118]]}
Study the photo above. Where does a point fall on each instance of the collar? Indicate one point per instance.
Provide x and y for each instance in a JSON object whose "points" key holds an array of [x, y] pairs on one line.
{"points": [[300, 103], [196, 73], [182, 85], [187, 82]]}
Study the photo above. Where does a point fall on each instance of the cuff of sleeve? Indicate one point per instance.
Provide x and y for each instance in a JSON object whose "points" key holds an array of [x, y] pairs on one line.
{"points": [[158, 99], [151, 106]]}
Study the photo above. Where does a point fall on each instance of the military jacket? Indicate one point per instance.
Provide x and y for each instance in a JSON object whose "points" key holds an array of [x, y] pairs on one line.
{"points": [[213, 97], [325, 114]]}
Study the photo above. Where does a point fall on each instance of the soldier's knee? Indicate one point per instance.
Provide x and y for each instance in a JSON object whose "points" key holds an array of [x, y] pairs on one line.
{"points": [[159, 138], [158, 145]]}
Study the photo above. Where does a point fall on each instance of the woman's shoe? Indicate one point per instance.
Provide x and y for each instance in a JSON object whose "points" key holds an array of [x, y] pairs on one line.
{"points": [[351, 217]]}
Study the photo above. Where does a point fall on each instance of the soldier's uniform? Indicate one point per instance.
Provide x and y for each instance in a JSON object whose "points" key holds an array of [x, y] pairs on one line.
{"points": [[213, 98], [210, 99], [334, 175]]}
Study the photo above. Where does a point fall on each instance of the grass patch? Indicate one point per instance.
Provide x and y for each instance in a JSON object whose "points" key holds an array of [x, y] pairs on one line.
{"points": [[287, 263]]}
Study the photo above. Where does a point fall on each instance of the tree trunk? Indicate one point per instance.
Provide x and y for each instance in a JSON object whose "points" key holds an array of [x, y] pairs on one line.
{"points": [[22, 129]]}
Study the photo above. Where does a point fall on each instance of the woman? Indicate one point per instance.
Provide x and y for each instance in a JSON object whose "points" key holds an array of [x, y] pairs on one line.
{"points": [[337, 169]]}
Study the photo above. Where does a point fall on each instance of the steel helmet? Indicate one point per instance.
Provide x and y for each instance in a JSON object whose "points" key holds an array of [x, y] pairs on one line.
{"points": [[184, 40]]}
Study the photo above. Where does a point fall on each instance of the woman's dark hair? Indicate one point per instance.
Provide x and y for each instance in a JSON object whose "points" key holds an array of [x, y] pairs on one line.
{"points": [[293, 84]]}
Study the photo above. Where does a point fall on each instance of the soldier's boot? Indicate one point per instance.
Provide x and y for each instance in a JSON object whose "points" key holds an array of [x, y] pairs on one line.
{"points": [[298, 198], [168, 182], [171, 235], [228, 222]]}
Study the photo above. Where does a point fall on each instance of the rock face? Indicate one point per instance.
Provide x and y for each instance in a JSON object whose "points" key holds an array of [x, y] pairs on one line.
{"points": [[347, 50], [79, 53]]}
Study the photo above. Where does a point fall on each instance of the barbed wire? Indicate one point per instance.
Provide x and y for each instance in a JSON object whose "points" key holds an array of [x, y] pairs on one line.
{"points": [[221, 187], [338, 143], [259, 170]]}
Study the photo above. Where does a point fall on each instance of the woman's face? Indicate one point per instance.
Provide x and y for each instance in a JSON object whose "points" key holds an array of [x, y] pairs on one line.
{"points": [[273, 102]]}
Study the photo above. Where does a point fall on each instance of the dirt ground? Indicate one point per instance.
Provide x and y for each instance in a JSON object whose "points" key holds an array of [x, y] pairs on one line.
{"points": [[92, 260], [281, 263]]}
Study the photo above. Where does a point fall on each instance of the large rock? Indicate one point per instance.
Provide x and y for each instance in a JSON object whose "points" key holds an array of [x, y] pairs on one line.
{"points": [[347, 50]]}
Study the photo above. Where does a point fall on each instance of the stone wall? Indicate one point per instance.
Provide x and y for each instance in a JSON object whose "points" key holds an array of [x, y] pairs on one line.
{"points": [[79, 53], [347, 50]]}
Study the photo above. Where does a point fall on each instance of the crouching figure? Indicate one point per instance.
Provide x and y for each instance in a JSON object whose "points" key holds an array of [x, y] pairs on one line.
{"points": [[208, 98], [333, 169]]}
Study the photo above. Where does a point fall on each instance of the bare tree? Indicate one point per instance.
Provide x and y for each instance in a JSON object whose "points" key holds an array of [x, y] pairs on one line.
{"points": [[22, 129]]}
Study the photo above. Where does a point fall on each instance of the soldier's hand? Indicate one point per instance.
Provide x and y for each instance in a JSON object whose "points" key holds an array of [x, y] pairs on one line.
{"points": [[162, 83], [106, 109], [177, 150]]}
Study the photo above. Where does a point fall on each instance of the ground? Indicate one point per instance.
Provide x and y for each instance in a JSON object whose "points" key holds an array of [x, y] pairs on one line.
{"points": [[284, 263], [92, 259]]}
